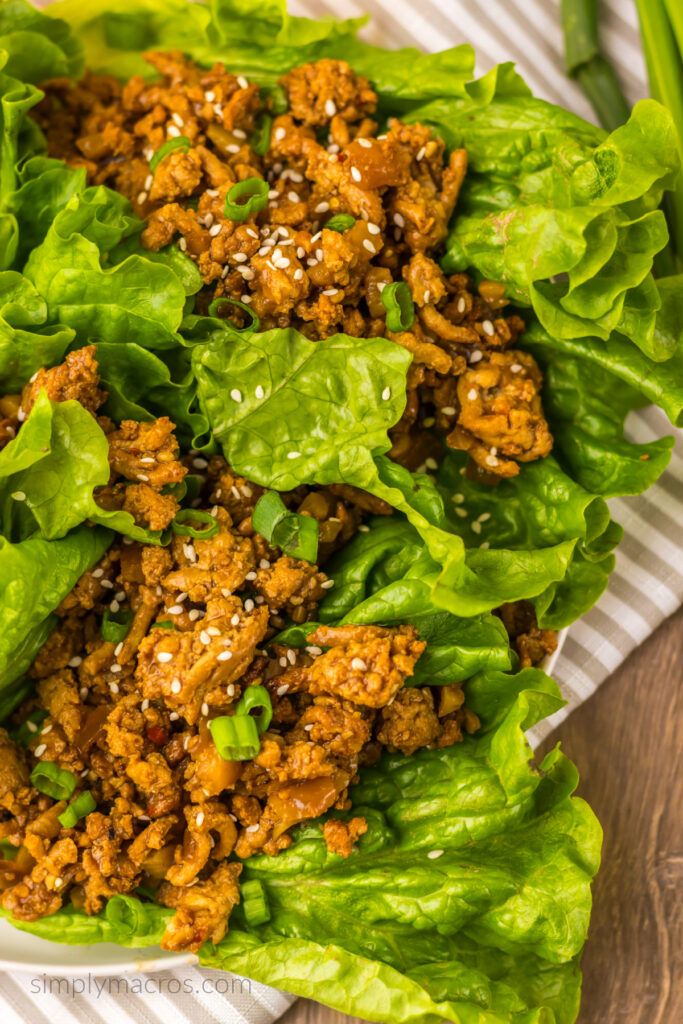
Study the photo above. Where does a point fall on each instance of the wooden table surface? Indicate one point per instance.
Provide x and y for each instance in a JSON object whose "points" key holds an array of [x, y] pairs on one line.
{"points": [[627, 743]]}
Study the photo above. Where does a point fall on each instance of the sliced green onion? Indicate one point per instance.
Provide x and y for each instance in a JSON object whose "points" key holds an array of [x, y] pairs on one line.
{"points": [[278, 100], [340, 222], [296, 535], [165, 624], [235, 738], [180, 142], [7, 850], [253, 192], [194, 515], [254, 902], [398, 302], [82, 805], [254, 322], [50, 779], [24, 733], [143, 890], [115, 625], [256, 697], [260, 140]]}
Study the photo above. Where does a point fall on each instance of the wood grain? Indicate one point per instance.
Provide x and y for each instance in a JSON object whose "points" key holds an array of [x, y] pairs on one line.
{"points": [[626, 741]]}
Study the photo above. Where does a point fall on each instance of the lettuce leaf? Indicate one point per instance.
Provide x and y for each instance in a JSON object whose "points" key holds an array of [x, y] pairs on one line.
{"points": [[467, 900], [549, 196], [26, 341], [48, 473], [35, 575]]}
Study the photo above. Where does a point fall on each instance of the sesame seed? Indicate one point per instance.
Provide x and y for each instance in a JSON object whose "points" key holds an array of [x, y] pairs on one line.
{"points": [[215, 230], [365, 143], [264, 564], [242, 82], [315, 237], [314, 651], [230, 690], [235, 620], [164, 656], [458, 498], [291, 657], [374, 229], [236, 395], [293, 455], [218, 110], [175, 686], [182, 244], [433, 854], [32, 727], [144, 705], [309, 727], [149, 181], [19, 496], [283, 661], [363, 528], [204, 637], [273, 194], [359, 664], [367, 244], [148, 460], [224, 656], [327, 584], [252, 233], [21, 415], [247, 273], [213, 631], [174, 716], [199, 820], [293, 197], [205, 711], [210, 96], [172, 131], [476, 356], [421, 153], [355, 174], [248, 605], [189, 552], [59, 882], [462, 304], [107, 584], [279, 133], [491, 460], [334, 148], [319, 255], [330, 291], [484, 517], [298, 274], [114, 687], [75, 662], [115, 669], [301, 252], [46, 730], [40, 749], [485, 545], [311, 262], [515, 367], [462, 512], [476, 527], [399, 220], [330, 108], [281, 263], [386, 394], [472, 394], [252, 828], [177, 119], [322, 207], [181, 597], [488, 328]]}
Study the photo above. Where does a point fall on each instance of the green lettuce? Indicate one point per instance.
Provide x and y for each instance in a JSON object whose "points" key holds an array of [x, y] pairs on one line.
{"points": [[26, 341], [49, 471], [35, 575], [467, 900]]}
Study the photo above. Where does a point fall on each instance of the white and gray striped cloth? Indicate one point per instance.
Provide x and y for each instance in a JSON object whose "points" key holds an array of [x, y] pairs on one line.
{"points": [[645, 588]]}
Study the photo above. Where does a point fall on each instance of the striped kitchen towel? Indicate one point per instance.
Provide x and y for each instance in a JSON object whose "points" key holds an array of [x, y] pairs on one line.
{"points": [[646, 586]]}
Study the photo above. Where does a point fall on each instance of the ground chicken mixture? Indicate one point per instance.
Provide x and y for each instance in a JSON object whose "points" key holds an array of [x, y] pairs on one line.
{"points": [[316, 153], [129, 720]]}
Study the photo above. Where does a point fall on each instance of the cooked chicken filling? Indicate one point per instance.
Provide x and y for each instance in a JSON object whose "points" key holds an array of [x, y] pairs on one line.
{"points": [[290, 261]]}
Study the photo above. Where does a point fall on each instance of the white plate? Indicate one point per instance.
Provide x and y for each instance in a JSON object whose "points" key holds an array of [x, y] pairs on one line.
{"points": [[23, 952]]}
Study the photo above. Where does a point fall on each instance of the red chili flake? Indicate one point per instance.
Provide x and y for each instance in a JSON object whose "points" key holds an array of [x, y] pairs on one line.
{"points": [[157, 735]]}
